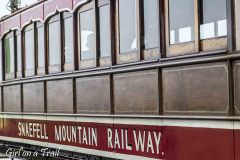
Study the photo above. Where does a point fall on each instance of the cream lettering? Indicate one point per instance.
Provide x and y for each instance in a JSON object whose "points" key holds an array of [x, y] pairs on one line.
{"points": [[32, 130], [80, 134]]}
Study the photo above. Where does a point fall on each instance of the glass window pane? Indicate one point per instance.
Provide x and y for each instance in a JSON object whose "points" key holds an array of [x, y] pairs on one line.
{"points": [[40, 39], [54, 43], [105, 37], [9, 53], [213, 20], [151, 24], [19, 54], [1, 61], [181, 21], [87, 35], [68, 41], [29, 49], [128, 25]]}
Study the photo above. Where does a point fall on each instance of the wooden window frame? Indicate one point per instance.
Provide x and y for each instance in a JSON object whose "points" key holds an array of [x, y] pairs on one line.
{"points": [[9, 76], [58, 67], [39, 70], [67, 66], [132, 56], [89, 63], [198, 45], [29, 72], [109, 60]]}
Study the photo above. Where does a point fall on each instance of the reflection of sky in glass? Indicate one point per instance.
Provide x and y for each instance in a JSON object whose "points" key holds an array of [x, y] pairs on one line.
{"points": [[185, 34], [127, 26], [213, 23], [87, 35], [222, 28], [84, 37], [181, 21], [207, 30], [151, 27]]}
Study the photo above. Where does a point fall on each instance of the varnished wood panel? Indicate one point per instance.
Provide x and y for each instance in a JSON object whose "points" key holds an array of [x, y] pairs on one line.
{"points": [[196, 89], [12, 98], [136, 93], [93, 95], [33, 97], [214, 44], [236, 75], [60, 96]]}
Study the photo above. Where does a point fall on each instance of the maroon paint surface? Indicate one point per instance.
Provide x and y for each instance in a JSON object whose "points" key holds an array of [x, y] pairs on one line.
{"points": [[51, 6], [13, 22], [237, 144], [38, 12], [177, 143], [35, 13]]}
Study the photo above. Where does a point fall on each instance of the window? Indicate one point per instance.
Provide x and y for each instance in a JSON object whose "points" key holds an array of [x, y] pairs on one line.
{"points": [[40, 48], [105, 35], [60, 43], [128, 26], [213, 19], [9, 56], [151, 24], [29, 50], [1, 74], [128, 31], [151, 29], [87, 36], [54, 44], [68, 41], [19, 54], [105, 29], [194, 26], [181, 14]]}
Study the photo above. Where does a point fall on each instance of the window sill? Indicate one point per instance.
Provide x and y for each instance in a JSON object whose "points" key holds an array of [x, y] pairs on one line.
{"points": [[199, 54]]}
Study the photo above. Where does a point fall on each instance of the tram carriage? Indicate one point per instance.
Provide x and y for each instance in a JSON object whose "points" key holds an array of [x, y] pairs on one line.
{"points": [[123, 79]]}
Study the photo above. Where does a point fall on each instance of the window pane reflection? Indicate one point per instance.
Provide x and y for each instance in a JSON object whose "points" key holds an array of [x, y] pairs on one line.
{"points": [[105, 38], [68, 41], [87, 35], [54, 43], [29, 49], [213, 19], [19, 53], [181, 19], [151, 24], [9, 51], [40, 39], [128, 26], [1, 61]]}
